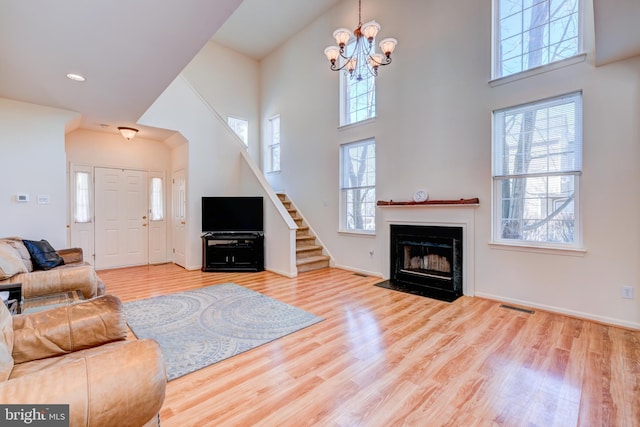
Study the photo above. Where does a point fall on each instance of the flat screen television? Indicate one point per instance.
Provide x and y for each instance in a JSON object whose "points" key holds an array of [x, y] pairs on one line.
{"points": [[232, 214]]}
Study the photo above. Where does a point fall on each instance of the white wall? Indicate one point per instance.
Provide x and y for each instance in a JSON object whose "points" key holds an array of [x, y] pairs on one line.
{"points": [[228, 81], [433, 131], [101, 149], [32, 147], [216, 167]]}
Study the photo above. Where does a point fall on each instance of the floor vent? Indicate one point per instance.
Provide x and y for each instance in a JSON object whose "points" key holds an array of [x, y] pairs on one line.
{"points": [[360, 274], [524, 310]]}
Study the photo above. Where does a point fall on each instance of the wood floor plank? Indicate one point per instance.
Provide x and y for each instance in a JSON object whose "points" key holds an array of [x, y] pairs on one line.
{"points": [[386, 358]]}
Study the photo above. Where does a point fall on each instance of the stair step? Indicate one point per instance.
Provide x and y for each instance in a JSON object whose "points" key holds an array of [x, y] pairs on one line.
{"points": [[312, 263], [305, 240], [281, 196], [308, 251], [301, 231]]}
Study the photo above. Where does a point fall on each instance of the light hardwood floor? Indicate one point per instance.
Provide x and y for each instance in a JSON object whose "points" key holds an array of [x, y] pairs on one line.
{"points": [[385, 358]]}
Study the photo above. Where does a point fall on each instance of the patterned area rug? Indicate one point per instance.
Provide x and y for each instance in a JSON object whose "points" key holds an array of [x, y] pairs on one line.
{"points": [[203, 326]]}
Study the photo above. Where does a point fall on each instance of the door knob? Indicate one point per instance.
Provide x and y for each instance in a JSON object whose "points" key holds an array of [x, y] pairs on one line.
{"points": [[144, 225], [144, 217], [182, 222]]}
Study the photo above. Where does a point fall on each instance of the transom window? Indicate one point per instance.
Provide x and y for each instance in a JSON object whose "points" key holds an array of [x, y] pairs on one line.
{"points": [[358, 189], [537, 164], [358, 94], [531, 33]]}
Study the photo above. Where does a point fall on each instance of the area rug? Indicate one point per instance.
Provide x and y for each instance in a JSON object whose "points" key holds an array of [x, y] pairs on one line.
{"points": [[203, 326]]}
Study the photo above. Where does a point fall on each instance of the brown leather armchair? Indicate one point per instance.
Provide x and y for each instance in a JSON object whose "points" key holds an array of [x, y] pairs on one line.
{"points": [[78, 355]]}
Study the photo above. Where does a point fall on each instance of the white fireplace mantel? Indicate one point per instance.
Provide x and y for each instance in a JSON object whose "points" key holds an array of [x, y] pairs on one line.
{"points": [[444, 215]]}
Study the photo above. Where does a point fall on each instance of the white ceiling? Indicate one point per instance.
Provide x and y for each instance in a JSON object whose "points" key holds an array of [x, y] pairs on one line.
{"points": [[257, 27], [130, 50]]}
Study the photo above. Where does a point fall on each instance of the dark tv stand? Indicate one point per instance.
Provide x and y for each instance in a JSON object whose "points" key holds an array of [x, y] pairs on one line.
{"points": [[238, 251]]}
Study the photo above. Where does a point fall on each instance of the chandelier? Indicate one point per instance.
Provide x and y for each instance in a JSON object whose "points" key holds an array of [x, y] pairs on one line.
{"points": [[362, 61]]}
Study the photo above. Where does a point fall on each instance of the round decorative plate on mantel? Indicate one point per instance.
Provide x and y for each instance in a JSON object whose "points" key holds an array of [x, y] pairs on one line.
{"points": [[420, 196]]}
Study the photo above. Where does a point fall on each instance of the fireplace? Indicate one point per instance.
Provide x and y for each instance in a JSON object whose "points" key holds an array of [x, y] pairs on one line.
{"points": [[427, 260]]}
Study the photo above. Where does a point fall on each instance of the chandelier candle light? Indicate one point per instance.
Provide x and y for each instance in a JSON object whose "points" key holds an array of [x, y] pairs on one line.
{"points": [[363, 59]]}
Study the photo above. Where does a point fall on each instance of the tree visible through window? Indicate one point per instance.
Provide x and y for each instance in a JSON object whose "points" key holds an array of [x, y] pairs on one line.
{"points": [[537, 162], [358, 94], [358, 172], [530, 33]]}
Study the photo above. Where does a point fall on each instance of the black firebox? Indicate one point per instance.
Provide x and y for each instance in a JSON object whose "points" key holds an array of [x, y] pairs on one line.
{"points": [[427, 260]]}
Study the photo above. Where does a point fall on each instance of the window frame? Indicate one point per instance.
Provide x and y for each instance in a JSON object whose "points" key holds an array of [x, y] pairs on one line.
{"points": [[88, 196], [237, 119], [576, 57], [157, 204], [345, 81], [272, 146], [344, 189], [497, 151]]}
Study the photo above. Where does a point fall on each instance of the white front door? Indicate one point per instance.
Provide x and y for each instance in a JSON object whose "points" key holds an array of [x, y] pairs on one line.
{"points": [[121, 218], [179, 217]]}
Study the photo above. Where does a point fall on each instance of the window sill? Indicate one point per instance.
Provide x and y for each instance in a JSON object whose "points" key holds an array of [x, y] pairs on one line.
{"points": [[576, 59], [543, 249], [357, 124], [273, 172], [370, 234]]}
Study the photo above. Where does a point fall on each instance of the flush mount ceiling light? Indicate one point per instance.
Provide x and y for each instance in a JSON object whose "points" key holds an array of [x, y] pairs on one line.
{"points": [[363, 59], [76, 77], [127, 132]]}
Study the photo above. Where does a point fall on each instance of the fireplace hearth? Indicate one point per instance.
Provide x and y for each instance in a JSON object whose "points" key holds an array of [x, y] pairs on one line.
{"points": [[426, 260]]}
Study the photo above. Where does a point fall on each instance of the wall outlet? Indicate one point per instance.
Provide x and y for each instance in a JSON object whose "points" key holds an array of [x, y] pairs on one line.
{"points": [[627, 292]]}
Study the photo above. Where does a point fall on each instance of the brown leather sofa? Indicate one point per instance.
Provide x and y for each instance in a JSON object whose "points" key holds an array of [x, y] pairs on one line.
{"points": [[78, 355], [74, 274]]}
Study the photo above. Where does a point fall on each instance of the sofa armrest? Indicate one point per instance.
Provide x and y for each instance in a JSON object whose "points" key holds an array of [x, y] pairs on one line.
{"points": [[82, 278], [119, 384], [69, 328], [71, 255]]}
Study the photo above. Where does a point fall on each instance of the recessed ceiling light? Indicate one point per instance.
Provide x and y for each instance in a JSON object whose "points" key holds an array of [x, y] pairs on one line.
{"points": [[76, 77]]}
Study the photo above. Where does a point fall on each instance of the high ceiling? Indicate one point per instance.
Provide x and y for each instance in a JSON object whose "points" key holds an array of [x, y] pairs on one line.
{"points": [[130, 51], [278, 21]]}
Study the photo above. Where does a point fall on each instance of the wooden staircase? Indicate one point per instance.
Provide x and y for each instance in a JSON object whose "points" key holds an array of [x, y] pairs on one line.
{"points": [[309, 254]]}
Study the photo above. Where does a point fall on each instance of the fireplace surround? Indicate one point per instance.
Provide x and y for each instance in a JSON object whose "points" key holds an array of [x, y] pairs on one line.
{"points": [[427, 260]]}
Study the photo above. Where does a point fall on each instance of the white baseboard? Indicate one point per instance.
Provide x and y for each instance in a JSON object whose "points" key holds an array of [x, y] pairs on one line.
{"points": [[357, 270], [560, 310], [290, 275]]}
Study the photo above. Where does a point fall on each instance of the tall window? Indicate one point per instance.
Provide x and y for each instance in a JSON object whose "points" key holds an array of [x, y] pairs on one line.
{"points": [[156, 200], [537, 163], [274, 145], [358, 94], [358, 186], [82, 208], [530, 33], [240, 127]]}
